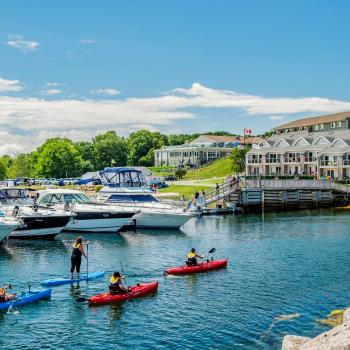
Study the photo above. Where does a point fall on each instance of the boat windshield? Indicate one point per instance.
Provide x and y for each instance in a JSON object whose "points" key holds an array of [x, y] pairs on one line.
{"points": [[14, 195], [122, 177], [65, 198], [132, 198]]}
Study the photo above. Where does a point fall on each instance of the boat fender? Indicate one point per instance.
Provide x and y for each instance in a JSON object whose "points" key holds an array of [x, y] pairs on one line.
{"points": [[15, 211]]}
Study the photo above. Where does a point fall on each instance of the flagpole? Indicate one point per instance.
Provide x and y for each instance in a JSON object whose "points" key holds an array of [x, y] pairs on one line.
{"points": [[244, 137]]}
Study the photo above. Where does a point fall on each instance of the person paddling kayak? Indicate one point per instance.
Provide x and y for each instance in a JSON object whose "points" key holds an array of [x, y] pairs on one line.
{"points": [[116, 284], [77, 252], [192, 257], [4, 296]]}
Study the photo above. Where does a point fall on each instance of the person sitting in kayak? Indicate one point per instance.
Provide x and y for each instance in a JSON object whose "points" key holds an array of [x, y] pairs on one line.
{"points": [[192, 257], [4, 296], [78, 251], [116, 284]]}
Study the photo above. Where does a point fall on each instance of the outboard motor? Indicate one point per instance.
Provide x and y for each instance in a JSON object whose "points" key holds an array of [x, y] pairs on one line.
{"points": [[66, 206], [35, 208]]}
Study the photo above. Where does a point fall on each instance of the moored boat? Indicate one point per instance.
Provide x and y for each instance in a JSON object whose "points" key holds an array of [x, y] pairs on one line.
{"points": [[138, 291], [89, 217], [127, 188], [26, 298], [203, 266]]}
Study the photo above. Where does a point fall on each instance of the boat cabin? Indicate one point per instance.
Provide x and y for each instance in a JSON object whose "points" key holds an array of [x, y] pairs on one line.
{"points": [[122, 177]]}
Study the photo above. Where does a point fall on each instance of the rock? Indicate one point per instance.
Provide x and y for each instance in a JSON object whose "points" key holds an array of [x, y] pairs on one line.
{"points": [[293, 342], [346, 316], [337, 338]]}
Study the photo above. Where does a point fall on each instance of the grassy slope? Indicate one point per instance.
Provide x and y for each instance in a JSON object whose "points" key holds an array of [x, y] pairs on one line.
{"points": [[187, 191], [220, 168]]}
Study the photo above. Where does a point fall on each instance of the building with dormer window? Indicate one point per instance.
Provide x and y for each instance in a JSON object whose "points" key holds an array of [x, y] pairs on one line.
{"points": [[317, 146]]}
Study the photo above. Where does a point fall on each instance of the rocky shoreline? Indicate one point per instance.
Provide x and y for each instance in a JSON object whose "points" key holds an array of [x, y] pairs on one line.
{"points": [[338, 338]]}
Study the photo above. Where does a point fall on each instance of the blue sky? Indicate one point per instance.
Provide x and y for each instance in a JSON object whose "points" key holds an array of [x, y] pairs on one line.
{"points": [[77, 68]]}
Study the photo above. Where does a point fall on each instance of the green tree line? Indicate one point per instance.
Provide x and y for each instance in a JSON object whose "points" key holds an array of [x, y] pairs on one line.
{"points": [[61, 157]]}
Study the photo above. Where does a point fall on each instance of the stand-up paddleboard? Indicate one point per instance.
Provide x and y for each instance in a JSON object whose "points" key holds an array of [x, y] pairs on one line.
{"points": [[83, 277]]}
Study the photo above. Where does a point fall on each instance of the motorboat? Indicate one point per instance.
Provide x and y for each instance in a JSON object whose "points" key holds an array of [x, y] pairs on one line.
{"points": [[89, 217], [7, 225], [127, 187], [35, 223]]}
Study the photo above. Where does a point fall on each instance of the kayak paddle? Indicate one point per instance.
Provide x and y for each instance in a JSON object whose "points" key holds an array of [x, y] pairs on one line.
{"points": [[212, 250]]}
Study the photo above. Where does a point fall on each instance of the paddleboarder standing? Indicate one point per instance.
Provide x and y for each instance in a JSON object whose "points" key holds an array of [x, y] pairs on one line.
{"points": [[77, 252]]}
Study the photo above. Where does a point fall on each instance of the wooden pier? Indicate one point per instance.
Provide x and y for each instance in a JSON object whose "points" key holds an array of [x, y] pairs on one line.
{"points": [[279, 195]]}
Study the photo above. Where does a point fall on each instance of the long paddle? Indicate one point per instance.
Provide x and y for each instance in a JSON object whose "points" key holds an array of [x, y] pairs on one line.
{"points": [[87, 262]]}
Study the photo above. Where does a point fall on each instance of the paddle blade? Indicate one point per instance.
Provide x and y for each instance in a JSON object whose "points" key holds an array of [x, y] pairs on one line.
{"points": [[81, 300], [212, 250]]}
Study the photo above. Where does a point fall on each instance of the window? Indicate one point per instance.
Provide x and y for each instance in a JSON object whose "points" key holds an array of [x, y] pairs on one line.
{"points": [[332, 125], [316, 127], [339, 124], [321, 126]]}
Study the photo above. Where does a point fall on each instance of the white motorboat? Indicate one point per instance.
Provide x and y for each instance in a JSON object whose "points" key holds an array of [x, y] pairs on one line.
{"points": [[7, 225], [35, 223], [126, 187], [89, 217]]}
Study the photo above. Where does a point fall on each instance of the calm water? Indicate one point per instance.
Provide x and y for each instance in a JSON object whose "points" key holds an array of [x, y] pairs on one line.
{"points": [[284, 264]]}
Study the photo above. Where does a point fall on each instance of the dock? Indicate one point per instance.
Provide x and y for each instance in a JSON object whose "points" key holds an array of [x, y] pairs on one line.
{"points": [[258, 195]]}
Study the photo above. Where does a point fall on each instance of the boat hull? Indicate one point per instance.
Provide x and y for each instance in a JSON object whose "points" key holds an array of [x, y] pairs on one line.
{"points": [[6, 229], [159, 220], [99, 222], [27, 298], [138, 291], [201, 267], [40, 227]]}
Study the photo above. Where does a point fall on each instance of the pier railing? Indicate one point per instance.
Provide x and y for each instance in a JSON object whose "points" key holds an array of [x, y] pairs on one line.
{"points": [[274, 184]]}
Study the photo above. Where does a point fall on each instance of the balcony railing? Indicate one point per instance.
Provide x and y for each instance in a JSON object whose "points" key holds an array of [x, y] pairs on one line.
{"points": [[346, 162], [273, 160], [330, 163], [292, 159], [310, 160], [254, 161]]}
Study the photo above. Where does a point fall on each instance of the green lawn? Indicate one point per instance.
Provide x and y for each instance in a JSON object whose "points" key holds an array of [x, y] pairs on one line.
{"points": [[187, 191], [220, 168]]}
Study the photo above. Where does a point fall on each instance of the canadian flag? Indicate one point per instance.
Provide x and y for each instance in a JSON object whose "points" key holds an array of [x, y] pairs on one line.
{"points": [[247, 131]]}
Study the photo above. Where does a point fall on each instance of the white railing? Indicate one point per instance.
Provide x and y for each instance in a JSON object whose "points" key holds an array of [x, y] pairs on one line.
{"points": [[310, 160], [330, 163], [294, 184], [273, 160], [254, 161], [292, 159]]}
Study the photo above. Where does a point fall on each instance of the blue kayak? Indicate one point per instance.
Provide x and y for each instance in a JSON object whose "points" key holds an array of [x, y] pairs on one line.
{"points": [[83, 277], [26, 298]]}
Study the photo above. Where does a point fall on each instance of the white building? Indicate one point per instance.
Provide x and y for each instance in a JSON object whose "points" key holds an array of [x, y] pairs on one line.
{"points": [[318, 146], [204, 149]]}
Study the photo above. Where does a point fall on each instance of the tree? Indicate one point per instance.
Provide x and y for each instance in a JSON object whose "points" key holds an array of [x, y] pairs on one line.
{"points": [[109, 148], [148, 159], [87, 153], [141, 142], [238, 159], [21, 166], [2, 170], [180, 173], [59, 158]]}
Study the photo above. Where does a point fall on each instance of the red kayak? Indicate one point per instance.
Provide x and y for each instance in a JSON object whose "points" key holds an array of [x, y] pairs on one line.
{"points": [[201, 267], [138, 291]]}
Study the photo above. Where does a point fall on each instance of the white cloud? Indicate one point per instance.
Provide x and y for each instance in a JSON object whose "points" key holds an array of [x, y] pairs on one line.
{"points": [[18, 42], [52, 84], [107, 92], [82, 119], [52, 92], [10, 85], [277, 117], [87, 41]]}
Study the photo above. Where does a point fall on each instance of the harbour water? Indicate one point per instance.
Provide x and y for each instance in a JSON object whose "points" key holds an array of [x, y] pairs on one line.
{"points": [[295, 264]]}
